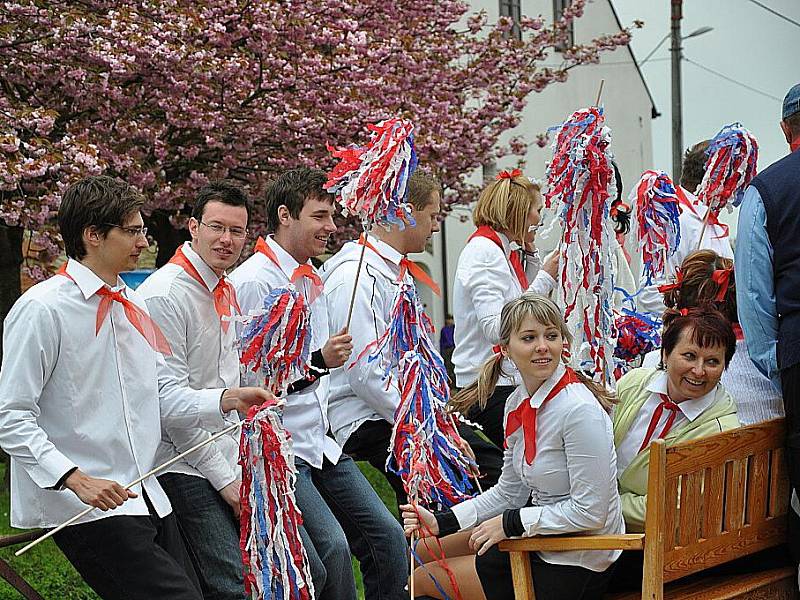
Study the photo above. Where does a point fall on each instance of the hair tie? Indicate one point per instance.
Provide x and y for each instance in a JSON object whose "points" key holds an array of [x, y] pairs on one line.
{"points": [[722, 277], [497, 352], [668, 287], [684, 312], [619, 206], [508, 174]]}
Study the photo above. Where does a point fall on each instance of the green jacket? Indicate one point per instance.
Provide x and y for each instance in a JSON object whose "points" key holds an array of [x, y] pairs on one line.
{"points": [[632, 393]]}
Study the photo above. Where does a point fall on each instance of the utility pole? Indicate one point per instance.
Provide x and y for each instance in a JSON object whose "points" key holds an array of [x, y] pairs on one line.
{"points": [[677, 111]]}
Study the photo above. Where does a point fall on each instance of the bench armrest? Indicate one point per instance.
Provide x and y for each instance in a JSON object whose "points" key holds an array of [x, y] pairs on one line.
{"points": [[561, 543]]}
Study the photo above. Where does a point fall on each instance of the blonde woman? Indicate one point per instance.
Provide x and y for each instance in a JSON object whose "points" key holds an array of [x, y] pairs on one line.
{"points": [[558, 474], [498, 263]]}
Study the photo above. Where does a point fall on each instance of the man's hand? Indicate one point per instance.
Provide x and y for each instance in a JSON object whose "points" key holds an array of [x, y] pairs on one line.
{"points": [[241, 399], [230, 493], [487, 534], [100, 493], [415, 516], [337, 349]]}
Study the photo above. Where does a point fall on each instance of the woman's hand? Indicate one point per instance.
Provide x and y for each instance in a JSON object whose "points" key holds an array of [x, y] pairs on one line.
{"points": [[550, 264], [487, 534], [416, 517]]}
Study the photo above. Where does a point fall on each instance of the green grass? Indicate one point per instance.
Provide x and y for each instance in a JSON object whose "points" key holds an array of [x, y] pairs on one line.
{"points": [[46, 569]]}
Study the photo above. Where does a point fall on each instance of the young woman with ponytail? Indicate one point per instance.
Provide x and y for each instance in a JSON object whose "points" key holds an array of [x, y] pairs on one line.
{"points": [[559, 473], [498, 263]]}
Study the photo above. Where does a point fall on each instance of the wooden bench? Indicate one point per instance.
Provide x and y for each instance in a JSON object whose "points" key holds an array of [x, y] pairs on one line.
{"points": [[9, 574], [709, 501]]}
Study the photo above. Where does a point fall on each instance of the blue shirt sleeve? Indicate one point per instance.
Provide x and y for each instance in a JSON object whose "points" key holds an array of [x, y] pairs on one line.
{"points": [[755, 286]]}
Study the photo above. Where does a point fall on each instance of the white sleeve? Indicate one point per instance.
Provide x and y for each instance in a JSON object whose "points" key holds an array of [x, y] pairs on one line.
{"points": [[369, 321], [483, 281], [587, 438], [209, 459], [31, 340]]}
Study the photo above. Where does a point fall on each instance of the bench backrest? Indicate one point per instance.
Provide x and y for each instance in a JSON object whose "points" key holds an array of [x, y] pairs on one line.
{"points": [[713, 500]]}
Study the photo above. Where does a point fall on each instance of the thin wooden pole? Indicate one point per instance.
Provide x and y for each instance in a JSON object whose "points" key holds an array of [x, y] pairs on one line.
{"points": [[411, 568], [703, 230], [355, 283], [159, 468], [599, 92]]}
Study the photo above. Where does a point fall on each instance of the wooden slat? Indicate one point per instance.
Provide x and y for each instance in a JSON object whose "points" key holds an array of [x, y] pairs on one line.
{"points": [[689, 513], [624, 541], [713, 487], [521, 574], [778, 484], [653, 569], [734, 494], [757, 488], [695, 455], [670, 512]]}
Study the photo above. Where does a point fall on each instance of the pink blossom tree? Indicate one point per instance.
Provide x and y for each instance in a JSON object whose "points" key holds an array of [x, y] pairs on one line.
{"points": [[168, 94]]}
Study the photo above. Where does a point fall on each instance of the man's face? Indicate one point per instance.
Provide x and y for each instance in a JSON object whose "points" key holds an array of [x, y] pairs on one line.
{"points": [[122, 245], [427, 223], [308, 234], [219, 236]]}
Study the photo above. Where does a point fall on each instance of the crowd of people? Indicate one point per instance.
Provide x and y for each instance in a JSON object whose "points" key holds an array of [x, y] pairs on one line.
{"points": [[100, 383]]}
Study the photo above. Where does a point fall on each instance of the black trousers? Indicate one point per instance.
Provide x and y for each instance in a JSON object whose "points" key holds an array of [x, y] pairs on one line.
{"points": [[131, 558], [790, 384], [491, 417], [370, 443]]}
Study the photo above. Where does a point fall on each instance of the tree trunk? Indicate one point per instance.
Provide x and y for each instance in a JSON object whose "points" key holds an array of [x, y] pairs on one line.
{"points": [[10, 262], [167, 237]]}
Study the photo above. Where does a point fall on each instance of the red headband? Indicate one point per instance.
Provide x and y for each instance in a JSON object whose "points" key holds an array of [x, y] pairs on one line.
{"points": [[508, 174]]}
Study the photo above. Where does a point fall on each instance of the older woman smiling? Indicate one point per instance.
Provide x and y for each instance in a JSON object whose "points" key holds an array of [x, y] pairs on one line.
{"points": [[679, 401]]}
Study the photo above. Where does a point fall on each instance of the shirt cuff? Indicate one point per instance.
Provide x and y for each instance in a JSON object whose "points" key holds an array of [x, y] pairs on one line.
{"points": [[467, 514], [543, 283], [530, 516], [50, 469], [209, 410]]}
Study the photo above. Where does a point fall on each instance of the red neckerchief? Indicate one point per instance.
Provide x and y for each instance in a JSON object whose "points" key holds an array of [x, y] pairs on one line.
{"points": [[300, 272], [668, 404], [683, 200], [737, 330], [406, 265], [525, 415], [795, 145], [140, 320], [225, 303], [514, 260]]}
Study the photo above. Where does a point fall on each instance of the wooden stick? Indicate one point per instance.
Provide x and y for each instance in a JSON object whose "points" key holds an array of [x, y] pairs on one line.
{"points": [[171, 461], [600, 92], [411, 569], [703, 230], [355, 283]]}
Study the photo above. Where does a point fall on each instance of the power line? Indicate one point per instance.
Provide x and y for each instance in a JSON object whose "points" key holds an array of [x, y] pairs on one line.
{"points": [[730, 79], [775, 12]]}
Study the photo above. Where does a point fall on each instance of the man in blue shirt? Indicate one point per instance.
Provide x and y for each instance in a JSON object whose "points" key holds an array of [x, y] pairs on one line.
{"points": [[768, 278]]}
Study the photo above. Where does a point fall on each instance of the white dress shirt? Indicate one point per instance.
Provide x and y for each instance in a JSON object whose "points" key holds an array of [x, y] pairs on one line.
{"points": [[572, 482], [73, 398], [484, 283], [689, 410], [691, 223], [305, 415], [359, 390], [203, 357]]}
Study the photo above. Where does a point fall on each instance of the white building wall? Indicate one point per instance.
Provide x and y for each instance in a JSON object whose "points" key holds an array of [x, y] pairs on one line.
{"points": [[628, 112]]}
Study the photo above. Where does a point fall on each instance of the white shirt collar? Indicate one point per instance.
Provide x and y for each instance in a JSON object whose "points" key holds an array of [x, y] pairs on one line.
{"points": [[386, 251], [87, 280], [286, 261], [538, 397], [691, 409], [208, 275]]}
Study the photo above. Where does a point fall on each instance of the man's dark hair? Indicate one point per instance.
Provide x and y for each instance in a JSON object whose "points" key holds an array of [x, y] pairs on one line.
{"points": [[291, 189], [100, 202], [421, 186], [694, 166], [220, 191], [793, 122]]}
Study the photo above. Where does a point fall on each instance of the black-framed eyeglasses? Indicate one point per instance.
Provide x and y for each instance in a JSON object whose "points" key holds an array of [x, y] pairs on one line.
{"points": [[236, 232], [131, 231]]}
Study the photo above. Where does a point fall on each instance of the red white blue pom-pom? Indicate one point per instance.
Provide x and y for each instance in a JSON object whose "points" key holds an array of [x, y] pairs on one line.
{"points": [[731, 165], [657, 216], [370, 182]]}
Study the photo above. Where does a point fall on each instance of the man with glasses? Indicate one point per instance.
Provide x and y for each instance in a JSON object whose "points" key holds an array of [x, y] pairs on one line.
{"points": [[83, 401], [192, 302]]}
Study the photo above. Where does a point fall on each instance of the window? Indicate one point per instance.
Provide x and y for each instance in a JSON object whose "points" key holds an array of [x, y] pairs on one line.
{"points": [[558, 12], [512, 9]]}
